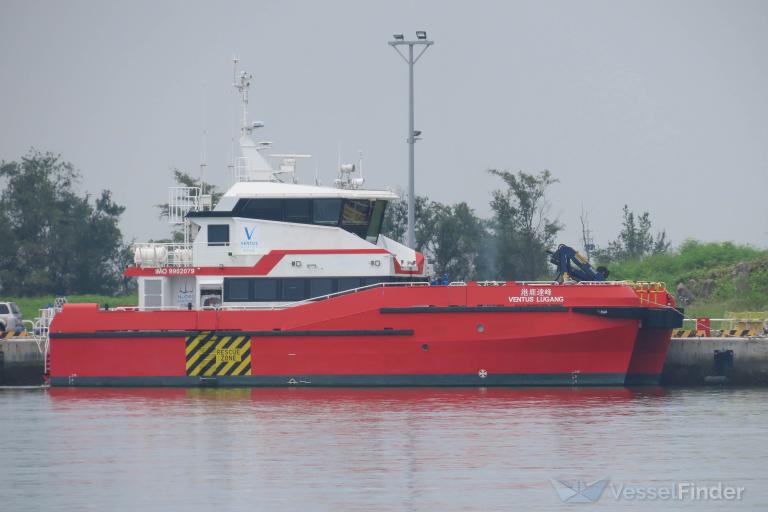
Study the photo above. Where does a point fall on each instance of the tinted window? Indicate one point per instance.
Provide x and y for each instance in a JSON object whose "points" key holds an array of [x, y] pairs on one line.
{"points": [[298, 210], [326, 211], [218, 234], [320, 286], [377, 218], [15, 309], [356, 212], [4, 309], [294, 289], [266, 209], [237, 290], [265, 289], [347, 283]]}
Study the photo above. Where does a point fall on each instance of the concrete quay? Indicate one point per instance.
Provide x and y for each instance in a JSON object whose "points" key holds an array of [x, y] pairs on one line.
{"points": [[713, 360], [21, 363]]}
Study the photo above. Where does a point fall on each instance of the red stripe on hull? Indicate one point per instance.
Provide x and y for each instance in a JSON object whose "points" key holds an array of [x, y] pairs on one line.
{"points": [[263, 267]]}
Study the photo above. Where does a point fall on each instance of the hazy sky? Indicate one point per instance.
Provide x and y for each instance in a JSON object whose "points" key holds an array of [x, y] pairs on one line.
{"points": [[660, 105]]}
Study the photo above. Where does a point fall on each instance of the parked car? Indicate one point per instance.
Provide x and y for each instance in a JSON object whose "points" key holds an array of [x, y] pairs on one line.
{"points": [[10, 317]]}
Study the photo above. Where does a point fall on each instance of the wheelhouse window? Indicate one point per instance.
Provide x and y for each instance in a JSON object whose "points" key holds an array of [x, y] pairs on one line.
{"points": [[218, 234], [362, 217], [326, 211], [265, 209], [298, 211], [377, 219], [355, 216]]}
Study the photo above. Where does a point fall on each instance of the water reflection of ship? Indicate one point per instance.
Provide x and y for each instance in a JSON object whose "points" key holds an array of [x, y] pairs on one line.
{"points": [[408, 443], [371, 398]]}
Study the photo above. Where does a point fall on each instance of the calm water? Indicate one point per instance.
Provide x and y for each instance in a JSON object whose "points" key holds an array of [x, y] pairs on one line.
{"points": [[374, 449]]}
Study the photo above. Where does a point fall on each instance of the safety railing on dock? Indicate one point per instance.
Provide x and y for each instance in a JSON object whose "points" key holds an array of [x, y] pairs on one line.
{"points": [[732, 327], [42, 324]]}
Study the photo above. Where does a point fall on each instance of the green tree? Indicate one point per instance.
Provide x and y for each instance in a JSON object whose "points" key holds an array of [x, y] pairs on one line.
{"points": [[396, 221], [56, 241], [522, 229], [450, 236], [457, 247], [635, 240]]}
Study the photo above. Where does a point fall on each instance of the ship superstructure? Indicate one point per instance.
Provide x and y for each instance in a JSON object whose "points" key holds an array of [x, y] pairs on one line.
{"points": [[271, 241]]}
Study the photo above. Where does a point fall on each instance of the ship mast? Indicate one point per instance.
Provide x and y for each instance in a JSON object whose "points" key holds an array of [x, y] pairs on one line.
{"points": [[242, 83]]}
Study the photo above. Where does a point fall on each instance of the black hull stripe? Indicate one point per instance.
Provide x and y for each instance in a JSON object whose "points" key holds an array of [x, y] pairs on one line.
{"points": [[476, 309], [642, 379], [652, 318], [473, 380], [264, 334]]}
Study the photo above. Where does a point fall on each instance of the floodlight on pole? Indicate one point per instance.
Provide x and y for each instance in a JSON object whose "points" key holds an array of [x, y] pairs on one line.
{"points": [[413, 135]]}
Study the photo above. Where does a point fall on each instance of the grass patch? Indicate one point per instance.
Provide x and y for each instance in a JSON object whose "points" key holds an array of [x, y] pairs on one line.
{"points": [[736, 276]]}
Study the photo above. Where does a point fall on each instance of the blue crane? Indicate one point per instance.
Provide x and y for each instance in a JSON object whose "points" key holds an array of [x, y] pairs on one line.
{"points": [[573, 266]]}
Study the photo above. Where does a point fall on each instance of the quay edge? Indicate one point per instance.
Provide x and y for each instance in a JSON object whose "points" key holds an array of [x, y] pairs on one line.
{"points": [[731, 361]]}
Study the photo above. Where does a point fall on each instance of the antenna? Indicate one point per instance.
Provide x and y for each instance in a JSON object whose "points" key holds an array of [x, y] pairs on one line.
{"points": [[586, 234], [203, 148], [241, 83], [317, 172], [203, 164], [360, 162]]}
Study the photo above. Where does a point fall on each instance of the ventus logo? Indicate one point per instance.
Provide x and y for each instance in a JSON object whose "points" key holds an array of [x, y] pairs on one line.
{"points": [[248, 242]]}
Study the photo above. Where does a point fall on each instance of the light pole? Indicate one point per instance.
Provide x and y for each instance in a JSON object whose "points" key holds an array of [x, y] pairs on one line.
{"points": [[421, 40]]}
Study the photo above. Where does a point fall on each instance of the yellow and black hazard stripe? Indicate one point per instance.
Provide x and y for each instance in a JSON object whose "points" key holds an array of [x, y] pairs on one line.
{"points": [[209, 355], [688, 333], [739, 333], [732, 333], [13, 334]]}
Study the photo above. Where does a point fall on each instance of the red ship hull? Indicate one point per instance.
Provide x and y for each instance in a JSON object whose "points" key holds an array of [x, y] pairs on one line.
{"points": [[648, 356], [391, 336]]}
